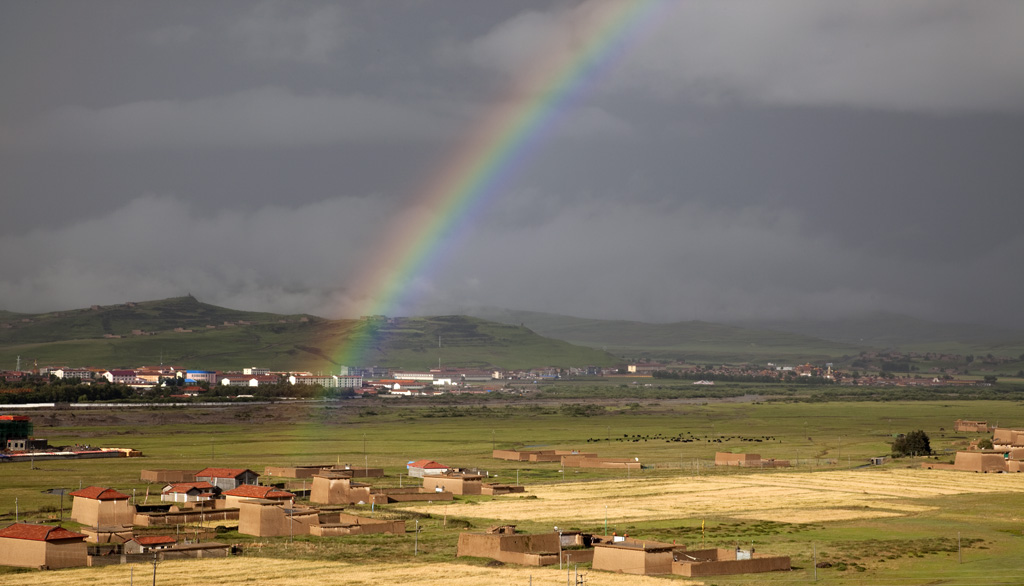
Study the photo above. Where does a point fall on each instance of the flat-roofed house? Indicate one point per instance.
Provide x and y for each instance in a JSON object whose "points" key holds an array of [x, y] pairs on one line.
{"points": [[41, 546], [634, 557]]}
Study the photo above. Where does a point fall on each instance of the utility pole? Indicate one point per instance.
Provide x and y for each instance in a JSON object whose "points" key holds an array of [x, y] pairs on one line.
{"points": [[814, 550]]}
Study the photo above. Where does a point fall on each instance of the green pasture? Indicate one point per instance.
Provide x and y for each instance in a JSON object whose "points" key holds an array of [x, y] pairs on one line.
{"points": [[914, 549]]}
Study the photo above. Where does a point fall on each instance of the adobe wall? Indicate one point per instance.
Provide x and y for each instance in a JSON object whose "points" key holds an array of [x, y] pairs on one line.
{"points": [[294, 471], [452, 485], [168, 476], [979, 462], [182, 517], [632, 560], [391, 495], [499, 489], [23, 553], [513, 455], [592, 462], [730, 459], [723, 562]]}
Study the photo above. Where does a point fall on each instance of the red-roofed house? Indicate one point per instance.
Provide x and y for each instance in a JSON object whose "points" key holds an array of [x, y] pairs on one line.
{"points": [[96, 506], [41, 546], [188, 492], [148, 543], [252, 491], [228, 478], [421, 468]]}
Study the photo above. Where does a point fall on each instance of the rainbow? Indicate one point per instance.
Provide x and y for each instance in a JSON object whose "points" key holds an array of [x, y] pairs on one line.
{"points": [[489, 155]]}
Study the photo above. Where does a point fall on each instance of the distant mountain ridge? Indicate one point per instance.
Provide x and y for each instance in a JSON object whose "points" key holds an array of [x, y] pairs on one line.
{"points": [[883, 329], [758, 339]]}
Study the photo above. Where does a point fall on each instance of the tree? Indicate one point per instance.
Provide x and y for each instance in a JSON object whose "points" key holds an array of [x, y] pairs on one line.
{"points": [[985, 444], [991, 378], [915, 443]]}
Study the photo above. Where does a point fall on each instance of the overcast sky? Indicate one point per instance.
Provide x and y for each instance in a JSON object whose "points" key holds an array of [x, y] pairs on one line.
{"points": [[740, 160]]}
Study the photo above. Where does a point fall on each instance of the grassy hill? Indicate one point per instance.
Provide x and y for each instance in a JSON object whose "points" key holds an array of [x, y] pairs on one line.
{"points": [[297, 342], [692, 340]]}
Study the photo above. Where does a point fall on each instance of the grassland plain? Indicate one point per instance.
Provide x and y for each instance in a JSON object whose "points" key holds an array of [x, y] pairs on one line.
{"points": [[893, 525]]}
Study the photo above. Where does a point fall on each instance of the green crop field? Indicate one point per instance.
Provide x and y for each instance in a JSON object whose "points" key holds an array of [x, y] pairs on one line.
{"points": [[893, 524]]}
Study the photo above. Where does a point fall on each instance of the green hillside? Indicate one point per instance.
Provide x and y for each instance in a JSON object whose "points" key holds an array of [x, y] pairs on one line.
{"points": [[283, 342], [692, 340], [147, 316]]}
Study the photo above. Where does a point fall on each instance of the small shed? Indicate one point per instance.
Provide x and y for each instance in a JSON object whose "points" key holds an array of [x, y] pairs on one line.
{"points": [[149, 543]]}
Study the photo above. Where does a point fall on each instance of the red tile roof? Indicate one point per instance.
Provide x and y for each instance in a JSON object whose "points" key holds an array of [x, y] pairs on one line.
{"points": [[99, 493], [258, 492], [38, 532], [222, 472], [154, 539], [426, 465]]}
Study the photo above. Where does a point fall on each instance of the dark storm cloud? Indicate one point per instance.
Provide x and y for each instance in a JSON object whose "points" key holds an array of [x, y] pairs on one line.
{"points": [[740, 159]]}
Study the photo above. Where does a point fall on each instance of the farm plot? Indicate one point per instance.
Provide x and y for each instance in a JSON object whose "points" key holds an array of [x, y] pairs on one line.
{"points": [[274, 572], [783, 497]]}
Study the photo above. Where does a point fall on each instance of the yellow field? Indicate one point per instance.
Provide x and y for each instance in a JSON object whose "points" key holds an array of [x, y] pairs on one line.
{"points": [[799, 497], [273, 572]]}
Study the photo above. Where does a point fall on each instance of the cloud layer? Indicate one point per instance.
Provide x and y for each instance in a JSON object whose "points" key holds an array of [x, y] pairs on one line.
{"points": [[728, 160]]}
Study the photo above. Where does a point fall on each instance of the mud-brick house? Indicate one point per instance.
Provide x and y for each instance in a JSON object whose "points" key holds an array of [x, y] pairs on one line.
{"points": [[41, 546], [971, 426], [635, 557], [233, 497], [227, 478], [748, 461], [265, 518], [504, 544], [163, 476], [1005, 439], [97, 506]]}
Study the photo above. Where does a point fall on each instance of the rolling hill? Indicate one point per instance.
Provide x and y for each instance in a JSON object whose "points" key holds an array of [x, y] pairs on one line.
{"points": [[221, 338], [767, 340]]}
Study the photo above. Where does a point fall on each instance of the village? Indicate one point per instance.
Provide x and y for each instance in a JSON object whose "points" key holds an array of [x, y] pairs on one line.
{"points": [[183, 512], [181, 383]]}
